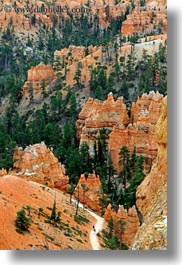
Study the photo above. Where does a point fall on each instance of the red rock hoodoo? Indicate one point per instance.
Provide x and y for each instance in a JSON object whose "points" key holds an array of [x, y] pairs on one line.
{"points": [[89, 190], [138, 131], [130, 218], [144, 20], [37, 163]]}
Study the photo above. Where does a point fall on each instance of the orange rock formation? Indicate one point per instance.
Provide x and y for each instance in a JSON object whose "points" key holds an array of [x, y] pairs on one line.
{"points": [[66, 62], [130, 218], [151, 195], [88, 191], [3, 172], [96, 115], [37, 163], [144, 20], [20, 13], [36, 75], [138, 131]]}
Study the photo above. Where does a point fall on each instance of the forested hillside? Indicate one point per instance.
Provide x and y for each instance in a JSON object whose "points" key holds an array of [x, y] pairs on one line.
{"points": [[79, 80]]}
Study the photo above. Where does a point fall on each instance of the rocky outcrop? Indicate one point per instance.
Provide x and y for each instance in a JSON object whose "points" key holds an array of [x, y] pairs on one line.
{"points": [[66, 62], [151, 195], [37, 163], [96, 115], [130, 219], [146, 19], [19, 13], [37, 75], [88, 191], [41, 72], [3, 172], [138, 131]]}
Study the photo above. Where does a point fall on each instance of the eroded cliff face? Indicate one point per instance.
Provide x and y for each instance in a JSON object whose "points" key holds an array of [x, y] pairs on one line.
{"points": [[19, 13], [36, 76], [96, 115], [151, 195], [88, 191], [138, 131], [66, 61], [130, 218], [37, 163], [146, 19]]}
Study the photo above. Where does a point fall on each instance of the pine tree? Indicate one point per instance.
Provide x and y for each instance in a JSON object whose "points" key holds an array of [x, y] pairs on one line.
{"points": [[43, 87], [53, 213], [120, 229], [110, 174], [22, 222], [123, 161], [85, 159], [78, 73]]}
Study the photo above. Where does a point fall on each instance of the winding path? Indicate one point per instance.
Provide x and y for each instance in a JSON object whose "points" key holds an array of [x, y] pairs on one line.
{"points": [[98, 226]]}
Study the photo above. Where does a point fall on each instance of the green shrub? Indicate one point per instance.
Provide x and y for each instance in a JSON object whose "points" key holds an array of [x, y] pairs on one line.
{"points": [[22, 222], [80, 219]]}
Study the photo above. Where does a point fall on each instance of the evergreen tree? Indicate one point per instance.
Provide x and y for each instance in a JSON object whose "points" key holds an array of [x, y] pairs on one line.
{"points": [[124, 159], [85, 159], [43, 88], [119, 230], [22, 222], [110, 174], [109, 239], [78, 73], [53, 213]]}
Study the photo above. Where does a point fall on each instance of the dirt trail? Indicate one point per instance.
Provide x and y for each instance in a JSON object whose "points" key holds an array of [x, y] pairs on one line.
{"points": [[98, 226]]}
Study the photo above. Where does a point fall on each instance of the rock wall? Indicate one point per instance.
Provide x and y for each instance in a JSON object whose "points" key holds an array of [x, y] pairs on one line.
{"points": [[96, 115], [92, 186], [37, 163], [130, 218], [36, 75], [138, 131], [151, 195]]}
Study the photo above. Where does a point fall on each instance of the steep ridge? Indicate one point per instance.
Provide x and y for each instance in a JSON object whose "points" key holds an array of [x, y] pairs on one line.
{"points": [[151, 195], [17, 194]]}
